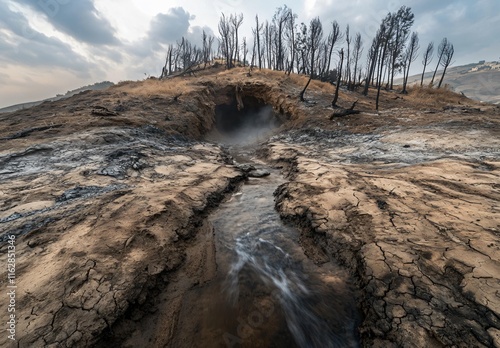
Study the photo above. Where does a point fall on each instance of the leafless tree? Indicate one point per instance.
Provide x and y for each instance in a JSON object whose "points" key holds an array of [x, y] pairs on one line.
{"points": [[348, 60], [427, 59], [207, 48], [402, 22], [446, 61], [443, 46], [167, 68], [339, 77], [290, 38], [386, 32], [333, 38], [372, 59], [302, 50], [268, 36], [409, 57], [256, 32], [225, 40], [280, 20], [314, 42], [236, 21], [245, 51], [356, 55]]}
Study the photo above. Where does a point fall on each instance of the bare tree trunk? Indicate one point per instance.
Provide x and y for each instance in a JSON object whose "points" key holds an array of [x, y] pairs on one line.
{"points": [[304, 90], [448, 55], [410, 57], [245, 51], [371, 70], [382, 58], [339, 77], [316, 33], [257, 35], [443, 46], [348, 60]]}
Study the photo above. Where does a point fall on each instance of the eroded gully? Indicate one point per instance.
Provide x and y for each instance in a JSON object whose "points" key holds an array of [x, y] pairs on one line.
{"points": [[265, 292]]}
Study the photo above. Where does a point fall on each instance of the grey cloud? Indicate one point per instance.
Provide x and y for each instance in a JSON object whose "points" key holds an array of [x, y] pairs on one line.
{"points": [[110, 53], [171, 26], [77, 18], [195, 35], [167, 28], [33, 48], [469, 25]]}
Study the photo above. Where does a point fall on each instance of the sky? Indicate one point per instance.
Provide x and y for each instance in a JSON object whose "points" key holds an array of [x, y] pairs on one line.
{"points": [[48, 47]]}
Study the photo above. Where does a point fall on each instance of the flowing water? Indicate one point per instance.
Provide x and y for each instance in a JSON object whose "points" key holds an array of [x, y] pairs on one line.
{"points": [[267, 293]]}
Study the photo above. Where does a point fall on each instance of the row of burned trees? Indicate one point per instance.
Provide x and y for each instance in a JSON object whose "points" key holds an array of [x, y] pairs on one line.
{"points": [[285, 45]]}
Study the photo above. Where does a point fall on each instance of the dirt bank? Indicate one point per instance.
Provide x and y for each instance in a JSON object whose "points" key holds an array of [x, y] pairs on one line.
{"points": [[107, 194]]}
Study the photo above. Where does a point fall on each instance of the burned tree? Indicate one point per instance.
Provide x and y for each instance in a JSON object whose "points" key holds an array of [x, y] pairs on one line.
{"points": [[236, 21], [427, 59], [279, 22], [409, 57], [207, 48], [225, 40], [290, 38], [402, 22], [256, 32], [339, 77], [443, 46], [302, 48], [348, 60], [245, 51], [356, 55], [167, 68], [372, 59], [446, 61], [268, 47], [333, 38], [386, 31], [313, 42]]}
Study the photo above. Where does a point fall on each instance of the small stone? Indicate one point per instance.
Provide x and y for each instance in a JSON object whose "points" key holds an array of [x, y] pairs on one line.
{"points": [[246, 167], [398, 311], [258, 173]]}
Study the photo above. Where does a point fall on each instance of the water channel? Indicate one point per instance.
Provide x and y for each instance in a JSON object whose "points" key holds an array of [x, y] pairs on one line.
{"points": [[267, 293]]}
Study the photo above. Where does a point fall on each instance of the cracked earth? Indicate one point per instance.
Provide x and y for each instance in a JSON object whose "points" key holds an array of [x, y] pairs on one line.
{"points": [[420, 227]]}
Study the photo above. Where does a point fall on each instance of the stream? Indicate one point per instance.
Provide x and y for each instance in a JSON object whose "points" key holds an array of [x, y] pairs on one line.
{"points": [[266, 293]]}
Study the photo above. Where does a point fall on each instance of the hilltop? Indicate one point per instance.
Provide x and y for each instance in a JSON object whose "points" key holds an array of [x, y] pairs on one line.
{"points": [[479, 81], [94, 87], [109, 194]]}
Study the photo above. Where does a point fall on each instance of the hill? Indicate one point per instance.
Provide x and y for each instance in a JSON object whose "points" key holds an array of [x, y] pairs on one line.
{"points": [[479, 81], [95, 87], [108, 198]]}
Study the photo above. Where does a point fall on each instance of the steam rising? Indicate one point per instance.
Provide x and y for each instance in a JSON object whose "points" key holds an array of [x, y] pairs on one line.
{"points": [[247, 126]]}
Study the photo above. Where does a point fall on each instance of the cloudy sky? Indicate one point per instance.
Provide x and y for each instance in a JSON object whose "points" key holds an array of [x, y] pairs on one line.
{"points": [[52, 46]]}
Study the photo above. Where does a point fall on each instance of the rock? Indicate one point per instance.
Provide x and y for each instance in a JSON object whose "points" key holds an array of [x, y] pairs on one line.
{"points": [[495, 335], [102, 111], [258, 173], [245, 167]]}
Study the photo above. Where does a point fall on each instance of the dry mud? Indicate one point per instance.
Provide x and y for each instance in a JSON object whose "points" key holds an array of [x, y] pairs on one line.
{"points": [[99, 223], [415, 214], [110, 209]]}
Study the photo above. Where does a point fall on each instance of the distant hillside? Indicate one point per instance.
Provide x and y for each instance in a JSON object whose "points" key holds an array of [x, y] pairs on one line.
{"points": [[480, 81], [95, 86]]}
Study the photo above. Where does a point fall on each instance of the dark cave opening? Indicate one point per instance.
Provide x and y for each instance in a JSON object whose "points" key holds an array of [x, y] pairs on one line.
{"points": [[248, 121]]}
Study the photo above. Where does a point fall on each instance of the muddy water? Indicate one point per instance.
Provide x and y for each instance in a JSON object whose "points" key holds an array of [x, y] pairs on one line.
{"points": [[266, 293]]}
